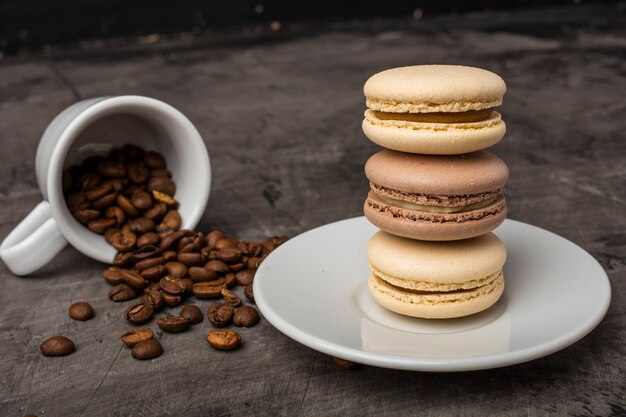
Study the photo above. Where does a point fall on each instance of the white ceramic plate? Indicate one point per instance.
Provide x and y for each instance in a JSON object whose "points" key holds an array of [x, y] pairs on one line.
{"points": [[314, 289]]}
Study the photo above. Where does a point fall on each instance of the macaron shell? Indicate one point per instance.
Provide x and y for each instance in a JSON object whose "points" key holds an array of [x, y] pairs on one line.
{"points": [[473, 173], [430, 86], [434, 138], [436, 262], [438, 305], [431, 230]]}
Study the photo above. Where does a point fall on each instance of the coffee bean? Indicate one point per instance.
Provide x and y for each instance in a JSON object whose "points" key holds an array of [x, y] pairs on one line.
{"points": [[164, 198], [171, 300], [238, 266], [174, 286], [220, 314], [231, 280], [155, 273], [116, 213], [161, 184], [139, 313], [248, 293], [89, 181], [209, 289], [112, 275], [125, 204], [213, 237], [154, 160], [108, 235], [122, 259], [172, 238], [161, 172], [122, 292], [192, 313], [138, 173], [141, 200], [173, 324], [218, 266], [81, 311], [146, 252], [188, 287], [176, 269], [156, 213], [133, 278], [231, 298], [133, 152], [57, 346], [199, 274], [226, 243], [141, 225], [111, 169], [253, 263], [172, 219], [154, 297], [117, 183], [105, 201], [169, 255], [148, 239], [229, 256], [254, 249], [147, 349], [134, 336], [123, 241], [76, 201], [101, 225], [149, 263], [246, 316], [245, 277], [345, 364], [223, 339], [98, 192], [84, 216], [191, 259]]}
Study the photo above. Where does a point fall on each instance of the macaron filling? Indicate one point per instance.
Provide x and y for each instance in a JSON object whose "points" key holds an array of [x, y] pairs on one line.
{"points": [[435, 297], [393, 106], [438, 209], [437, 117], [422, 121]]}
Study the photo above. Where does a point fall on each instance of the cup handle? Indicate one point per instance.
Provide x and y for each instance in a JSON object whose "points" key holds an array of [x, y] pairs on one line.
{"points": [[33, 243]]}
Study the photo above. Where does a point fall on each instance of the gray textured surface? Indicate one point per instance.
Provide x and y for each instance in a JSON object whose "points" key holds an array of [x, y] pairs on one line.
{"points": [[282, 124]]}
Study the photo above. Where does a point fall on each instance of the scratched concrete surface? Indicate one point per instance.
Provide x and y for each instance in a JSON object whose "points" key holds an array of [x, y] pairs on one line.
{"points": [[281, 120]]}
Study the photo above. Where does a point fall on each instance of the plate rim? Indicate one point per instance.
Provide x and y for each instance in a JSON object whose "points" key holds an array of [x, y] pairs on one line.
{"points": [[491, 361]]}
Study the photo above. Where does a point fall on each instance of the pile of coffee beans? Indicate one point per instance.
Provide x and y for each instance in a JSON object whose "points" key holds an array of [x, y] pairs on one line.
{"points": [[128, 196]]}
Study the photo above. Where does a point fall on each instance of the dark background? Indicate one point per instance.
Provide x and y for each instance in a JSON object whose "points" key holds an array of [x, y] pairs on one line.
{"points": [[38, 25]]}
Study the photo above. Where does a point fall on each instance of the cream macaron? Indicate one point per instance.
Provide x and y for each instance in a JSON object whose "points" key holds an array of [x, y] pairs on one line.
{"points": [[436, 197], [434, 109], [436, 279]]}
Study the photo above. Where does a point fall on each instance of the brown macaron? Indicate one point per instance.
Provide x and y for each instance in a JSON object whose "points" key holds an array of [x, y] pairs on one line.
{"points": [[431, 197]]}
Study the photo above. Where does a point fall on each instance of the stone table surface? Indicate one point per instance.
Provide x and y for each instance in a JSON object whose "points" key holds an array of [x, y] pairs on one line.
{"points": [[281, 119]]}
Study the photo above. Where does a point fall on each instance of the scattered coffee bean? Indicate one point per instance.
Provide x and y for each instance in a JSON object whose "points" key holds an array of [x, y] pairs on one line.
{"points": [[248, 293], [245, 277], [231, 298], [155, 273], [220, 314], [112, 275], [230, 280], [209, 289], [346, 364], [174, 286], [171, 300], [174, 324], [148, 239], [223, 339], [57, 346], [133, 278], [192, 313], [246, 316], [139, 313], [149, 263], [134, 336], [147, 349], [122, 292], [123, 240], [81, 311], [200, 274]]}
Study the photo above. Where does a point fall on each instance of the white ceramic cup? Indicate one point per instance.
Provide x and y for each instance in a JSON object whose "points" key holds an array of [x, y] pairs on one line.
{"points": [[94, 127]]}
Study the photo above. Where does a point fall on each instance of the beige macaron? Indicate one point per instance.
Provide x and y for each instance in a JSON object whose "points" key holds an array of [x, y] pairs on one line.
{"points": [[434, 109], [436, 279]]}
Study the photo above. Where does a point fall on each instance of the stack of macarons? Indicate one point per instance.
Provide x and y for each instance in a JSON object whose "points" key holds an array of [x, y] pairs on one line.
{"points": [[435, 193]]}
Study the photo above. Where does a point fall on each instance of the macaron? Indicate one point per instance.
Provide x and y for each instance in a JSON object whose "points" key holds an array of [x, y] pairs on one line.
{"points": [[434, 109], [435, 279], [436, 197]]}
